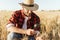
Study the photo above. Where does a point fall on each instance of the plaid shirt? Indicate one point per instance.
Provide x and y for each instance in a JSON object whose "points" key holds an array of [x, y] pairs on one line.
{"points": [[18, 19]]}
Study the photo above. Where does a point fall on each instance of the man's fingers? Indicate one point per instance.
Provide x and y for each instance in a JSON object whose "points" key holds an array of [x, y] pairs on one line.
{"points": [[30, 32]]}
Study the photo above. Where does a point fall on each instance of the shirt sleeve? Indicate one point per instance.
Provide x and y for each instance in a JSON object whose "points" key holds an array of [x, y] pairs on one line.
{"points": [[13, 18], [38, 28], [9, 25], [37, 25]]}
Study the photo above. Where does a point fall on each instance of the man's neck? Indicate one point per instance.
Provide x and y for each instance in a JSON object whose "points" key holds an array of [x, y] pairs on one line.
{"points": [[27, 14]]}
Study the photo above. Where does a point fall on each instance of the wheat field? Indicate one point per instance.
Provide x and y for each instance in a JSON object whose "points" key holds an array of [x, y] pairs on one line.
{"points": [[50, 24]]}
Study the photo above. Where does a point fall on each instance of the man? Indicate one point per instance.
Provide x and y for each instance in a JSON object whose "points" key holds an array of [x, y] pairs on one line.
{"points": [[24, 22]]}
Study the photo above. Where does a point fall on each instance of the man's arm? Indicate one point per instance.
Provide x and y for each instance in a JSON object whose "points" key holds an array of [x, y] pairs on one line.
{"points": [[37, 26], [11, 28], [11, 24]]}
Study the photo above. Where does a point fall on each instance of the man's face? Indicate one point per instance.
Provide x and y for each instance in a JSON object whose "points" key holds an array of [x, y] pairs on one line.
{"points": [[27, 12]]}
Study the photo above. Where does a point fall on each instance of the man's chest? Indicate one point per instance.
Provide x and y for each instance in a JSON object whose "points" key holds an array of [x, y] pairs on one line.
{"points": [[26, 22]]}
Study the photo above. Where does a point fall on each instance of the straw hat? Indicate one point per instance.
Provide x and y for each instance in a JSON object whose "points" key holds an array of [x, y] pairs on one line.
{"points": [[29, 5]]}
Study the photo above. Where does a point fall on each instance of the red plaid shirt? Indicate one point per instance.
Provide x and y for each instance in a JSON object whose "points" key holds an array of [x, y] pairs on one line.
{"points": [[18, 19]]}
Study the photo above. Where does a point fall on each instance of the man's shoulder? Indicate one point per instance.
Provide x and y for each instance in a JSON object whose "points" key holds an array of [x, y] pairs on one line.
{"points": [[35, 15], [17, 12]]}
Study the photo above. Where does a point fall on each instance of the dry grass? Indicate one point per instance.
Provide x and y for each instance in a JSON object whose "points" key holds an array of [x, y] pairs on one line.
{"points": [[50, 23]]}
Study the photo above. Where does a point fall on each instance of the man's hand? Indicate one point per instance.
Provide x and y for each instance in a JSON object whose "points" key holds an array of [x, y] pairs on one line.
{"points": [[30, 32], [39, 38]]}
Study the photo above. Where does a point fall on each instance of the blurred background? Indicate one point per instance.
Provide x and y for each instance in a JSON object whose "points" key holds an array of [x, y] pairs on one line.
{"points": [[49, 13]]}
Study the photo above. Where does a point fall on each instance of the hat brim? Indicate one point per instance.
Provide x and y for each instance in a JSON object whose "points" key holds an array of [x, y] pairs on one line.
{"points": [[33, 8]]}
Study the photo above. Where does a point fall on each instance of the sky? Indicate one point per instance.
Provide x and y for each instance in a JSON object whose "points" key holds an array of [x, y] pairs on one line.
{"points": [[43, 4]]}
